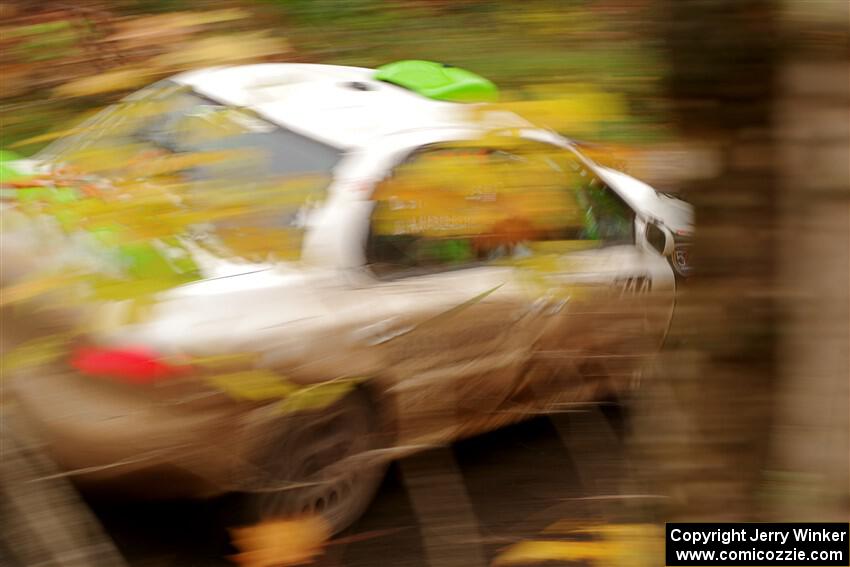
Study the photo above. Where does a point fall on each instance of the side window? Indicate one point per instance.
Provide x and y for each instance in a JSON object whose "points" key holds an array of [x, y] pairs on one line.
{"points": [[448, 207], [427, 213], [123, 130], [251, 182]]}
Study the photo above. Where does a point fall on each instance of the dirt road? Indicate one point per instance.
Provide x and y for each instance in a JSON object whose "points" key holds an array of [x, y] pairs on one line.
{"points": [[461, 504]]}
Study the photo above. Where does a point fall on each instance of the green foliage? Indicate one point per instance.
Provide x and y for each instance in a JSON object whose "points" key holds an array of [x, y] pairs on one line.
{"points": [[545, 42], [584, 44]]}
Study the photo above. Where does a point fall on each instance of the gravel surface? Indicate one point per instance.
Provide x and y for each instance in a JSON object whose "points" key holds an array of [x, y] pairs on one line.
{"points": [[455, 505]]}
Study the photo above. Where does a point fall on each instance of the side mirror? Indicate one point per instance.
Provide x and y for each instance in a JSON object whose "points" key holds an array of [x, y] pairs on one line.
{"points": [[660, 238]]}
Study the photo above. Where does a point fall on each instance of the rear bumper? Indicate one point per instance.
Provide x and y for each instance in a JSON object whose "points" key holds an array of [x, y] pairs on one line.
{"points": [[167, 444]]}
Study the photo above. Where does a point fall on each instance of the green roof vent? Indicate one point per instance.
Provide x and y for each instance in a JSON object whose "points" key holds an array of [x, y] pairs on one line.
{"points": [[438, 81]]}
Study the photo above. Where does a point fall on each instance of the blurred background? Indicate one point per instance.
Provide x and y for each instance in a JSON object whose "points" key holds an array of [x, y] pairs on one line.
{"points": [[741, 107]]}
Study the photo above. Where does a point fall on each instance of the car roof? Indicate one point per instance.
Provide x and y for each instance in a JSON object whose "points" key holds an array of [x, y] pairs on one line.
{"points": [[342, 106]]}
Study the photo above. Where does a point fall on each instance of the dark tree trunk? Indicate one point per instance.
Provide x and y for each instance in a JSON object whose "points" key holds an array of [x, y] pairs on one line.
{"points": [[752, 399], [721, 363]]}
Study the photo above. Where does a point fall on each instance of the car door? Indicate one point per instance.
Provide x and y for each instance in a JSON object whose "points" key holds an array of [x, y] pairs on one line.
{"points": [[457, 340], [512, 274], [616, 298]]}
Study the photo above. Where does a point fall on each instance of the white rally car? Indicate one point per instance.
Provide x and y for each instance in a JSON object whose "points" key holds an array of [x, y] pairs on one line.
{"points": [[447, 333]]}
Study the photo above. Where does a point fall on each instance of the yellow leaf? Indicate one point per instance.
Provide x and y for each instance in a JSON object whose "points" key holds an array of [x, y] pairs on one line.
{"points": [[317, 396], [31, 288], [47, 137], [580, 111], [224, 360], [164, 25], [624, 545], [259, 242], [170, 163], [36, 352], [221, 50], [217, 16], [110, 81], [253, 385], [280, 543], [526, 552]]}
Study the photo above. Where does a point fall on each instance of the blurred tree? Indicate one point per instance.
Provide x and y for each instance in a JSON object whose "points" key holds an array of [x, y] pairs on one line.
{"points": [[725, 371], [809, 475], [721, 364], [580, 50], [59, 59]]}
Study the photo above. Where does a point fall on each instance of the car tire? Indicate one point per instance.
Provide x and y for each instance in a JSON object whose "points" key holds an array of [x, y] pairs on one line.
{"points": [[324, 462]]}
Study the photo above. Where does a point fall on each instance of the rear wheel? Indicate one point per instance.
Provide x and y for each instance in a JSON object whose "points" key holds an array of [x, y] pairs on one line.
{"points": [[320, 463]]}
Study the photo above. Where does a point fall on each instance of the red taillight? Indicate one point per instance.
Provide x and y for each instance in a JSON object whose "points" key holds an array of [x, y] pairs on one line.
{"points": [[128, 365]]}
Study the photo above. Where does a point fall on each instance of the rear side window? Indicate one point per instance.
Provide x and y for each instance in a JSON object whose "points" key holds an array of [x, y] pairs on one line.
{"points": [[449, 207], [255, 179], [167, 117]]}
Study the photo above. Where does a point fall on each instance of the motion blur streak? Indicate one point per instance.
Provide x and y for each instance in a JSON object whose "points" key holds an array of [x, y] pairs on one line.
{"points": [[419, 282]]}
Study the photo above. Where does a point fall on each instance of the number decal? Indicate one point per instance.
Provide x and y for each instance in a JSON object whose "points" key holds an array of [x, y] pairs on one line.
{"points": [[634, 285]]}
